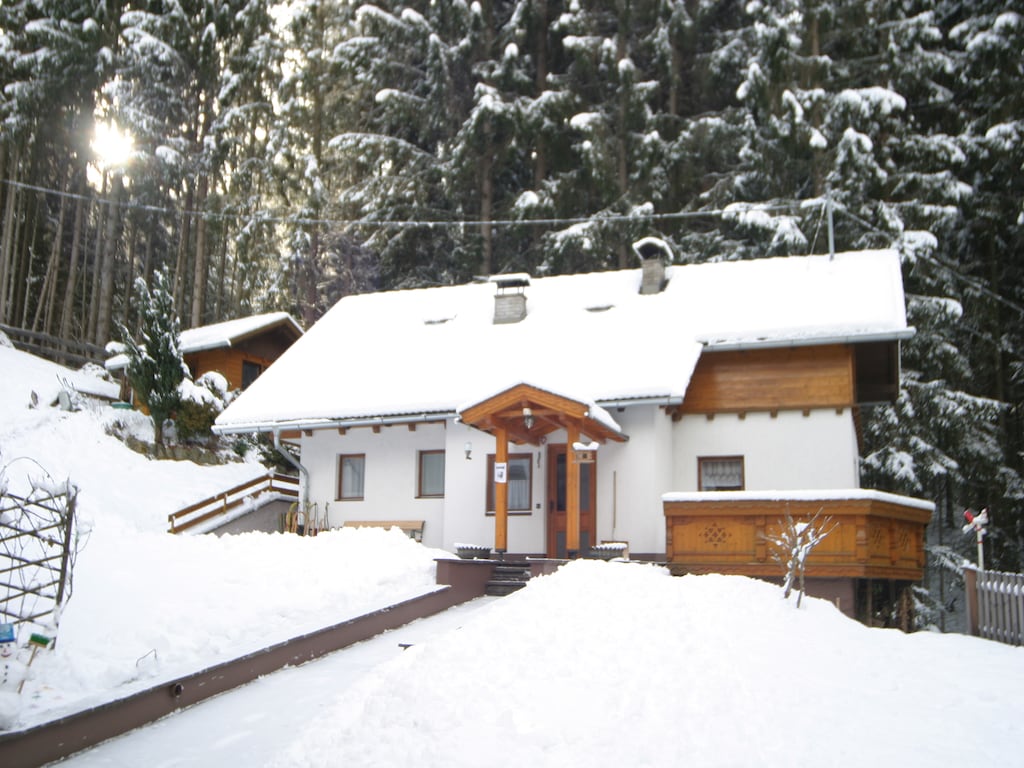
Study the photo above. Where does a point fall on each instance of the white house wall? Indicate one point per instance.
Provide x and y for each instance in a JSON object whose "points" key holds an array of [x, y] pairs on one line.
{"points": [[631, 477], [787, 451], [391, 474], [466, 518]]}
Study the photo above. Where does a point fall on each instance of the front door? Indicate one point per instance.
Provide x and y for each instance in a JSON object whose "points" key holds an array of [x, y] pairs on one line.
{"points": [[557, 463]]}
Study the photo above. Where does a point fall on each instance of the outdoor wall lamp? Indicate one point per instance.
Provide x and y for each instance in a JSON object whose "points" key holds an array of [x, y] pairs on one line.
{"points": [[469, 450], [528, 418]]}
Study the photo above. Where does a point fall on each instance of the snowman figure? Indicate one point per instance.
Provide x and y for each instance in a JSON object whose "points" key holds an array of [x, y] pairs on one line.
{"points": [[12, 672]]}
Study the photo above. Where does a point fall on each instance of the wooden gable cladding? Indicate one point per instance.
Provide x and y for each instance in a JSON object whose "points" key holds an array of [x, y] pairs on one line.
{"points": [[873, 537], [796, 378], [550, 412]]}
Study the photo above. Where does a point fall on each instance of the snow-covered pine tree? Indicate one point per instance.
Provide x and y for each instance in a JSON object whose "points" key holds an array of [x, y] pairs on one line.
{"points": [[155, 363], [614, 167], [404, 80], [986, 40]]}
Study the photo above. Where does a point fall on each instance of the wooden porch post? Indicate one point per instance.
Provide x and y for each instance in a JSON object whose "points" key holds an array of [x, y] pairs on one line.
{"points": [[572, 494], [501, 493]]}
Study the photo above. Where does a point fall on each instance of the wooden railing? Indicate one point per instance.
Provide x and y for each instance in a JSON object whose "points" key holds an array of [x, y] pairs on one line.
{"points": [[64, 351], [284, 486], [876, 535], [995, 605]]}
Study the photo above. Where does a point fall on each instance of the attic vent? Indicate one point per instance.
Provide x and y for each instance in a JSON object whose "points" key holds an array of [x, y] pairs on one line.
{"points": [[654, 255], [510, 298], [601, 308], [437, 321]]}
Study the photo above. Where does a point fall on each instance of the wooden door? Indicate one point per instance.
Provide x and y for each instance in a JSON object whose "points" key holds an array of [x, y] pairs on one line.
{"points": [[556, 497]]}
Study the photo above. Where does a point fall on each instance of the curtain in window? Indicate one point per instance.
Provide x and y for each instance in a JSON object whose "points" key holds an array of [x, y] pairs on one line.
{"points": [[432, 473], [721, 474], [352, 471], [519, 484]]}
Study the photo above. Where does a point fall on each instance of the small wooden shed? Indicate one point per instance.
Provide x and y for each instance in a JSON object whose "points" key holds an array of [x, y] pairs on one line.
{"points": [[240, 349]]}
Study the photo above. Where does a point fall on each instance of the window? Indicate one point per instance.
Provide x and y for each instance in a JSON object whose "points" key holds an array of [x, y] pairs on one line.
{"points": [[519, 480], [250, 372], [351, 473], [720, 473], [431, 474]]}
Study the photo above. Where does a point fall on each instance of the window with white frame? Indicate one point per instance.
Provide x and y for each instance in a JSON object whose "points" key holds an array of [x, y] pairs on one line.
{"points": [[431, 474], [720, 473], [351, 476]]}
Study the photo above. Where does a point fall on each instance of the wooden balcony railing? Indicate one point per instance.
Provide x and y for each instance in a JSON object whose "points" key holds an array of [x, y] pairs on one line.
{"points": [[877, 535]]}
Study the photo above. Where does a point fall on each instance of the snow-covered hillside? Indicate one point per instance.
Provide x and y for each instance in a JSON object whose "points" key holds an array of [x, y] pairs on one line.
{"points": [[148, 605], [600, 664]]}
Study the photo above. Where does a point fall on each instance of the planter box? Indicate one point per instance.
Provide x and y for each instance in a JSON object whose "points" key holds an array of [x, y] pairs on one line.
{"points": [[472, 551]]}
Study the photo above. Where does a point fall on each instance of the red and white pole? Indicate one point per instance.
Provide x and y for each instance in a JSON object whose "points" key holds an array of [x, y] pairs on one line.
{"points": [[977, 523]]}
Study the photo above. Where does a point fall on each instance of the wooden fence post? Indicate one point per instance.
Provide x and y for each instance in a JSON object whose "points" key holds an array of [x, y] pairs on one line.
{"points": [[971, 594]]}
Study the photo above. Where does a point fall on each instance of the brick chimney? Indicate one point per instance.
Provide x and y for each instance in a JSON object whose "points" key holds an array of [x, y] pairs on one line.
{"points": [[510, 297], [654, 255]]}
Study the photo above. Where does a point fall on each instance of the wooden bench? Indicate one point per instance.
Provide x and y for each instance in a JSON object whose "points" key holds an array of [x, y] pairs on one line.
{"points": [[412, 528]]}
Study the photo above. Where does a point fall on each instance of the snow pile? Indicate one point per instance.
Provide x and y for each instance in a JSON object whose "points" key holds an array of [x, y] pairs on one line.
{"points": [[612, 664], [149, 607]]}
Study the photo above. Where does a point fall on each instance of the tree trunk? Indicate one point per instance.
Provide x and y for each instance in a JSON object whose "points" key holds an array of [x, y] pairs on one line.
{"points": [[622, 138], [487, 202], [7, 249], [97, 261], [540, 161], [35, 211], [105, 308], [181, 264], [199, 275], [44, 308], [72, 280]]}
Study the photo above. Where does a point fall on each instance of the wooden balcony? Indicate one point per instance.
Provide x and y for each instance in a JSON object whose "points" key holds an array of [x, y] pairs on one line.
{"points": [[876, 536]]}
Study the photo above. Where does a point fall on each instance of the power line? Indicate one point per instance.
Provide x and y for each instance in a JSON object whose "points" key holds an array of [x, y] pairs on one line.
{"points": [[281, 218]]}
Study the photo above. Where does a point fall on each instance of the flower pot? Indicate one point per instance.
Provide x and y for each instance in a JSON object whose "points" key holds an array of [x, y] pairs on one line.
{"points": [[471, 551]]}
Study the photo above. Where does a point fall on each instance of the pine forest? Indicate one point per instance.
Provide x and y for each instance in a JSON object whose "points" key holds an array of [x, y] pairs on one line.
{"points": [[280, 155]]}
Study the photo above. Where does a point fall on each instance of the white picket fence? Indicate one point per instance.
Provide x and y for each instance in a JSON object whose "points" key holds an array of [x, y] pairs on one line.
{"points": [[995, 605]]}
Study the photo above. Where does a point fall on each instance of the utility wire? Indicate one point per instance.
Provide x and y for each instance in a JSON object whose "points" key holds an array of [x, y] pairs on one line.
{"points": [[280, 218], [733, 209]]}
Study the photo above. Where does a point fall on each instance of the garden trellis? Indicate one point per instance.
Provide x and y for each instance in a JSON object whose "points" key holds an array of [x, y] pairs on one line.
{"points": [[37, 551]]}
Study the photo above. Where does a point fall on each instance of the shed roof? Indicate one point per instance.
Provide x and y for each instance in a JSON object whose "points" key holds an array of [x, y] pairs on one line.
{"points": [[593, 337], [224, 334]]}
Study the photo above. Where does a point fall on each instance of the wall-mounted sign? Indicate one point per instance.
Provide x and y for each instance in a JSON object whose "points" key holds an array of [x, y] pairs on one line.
{"points": [[500, 472]]}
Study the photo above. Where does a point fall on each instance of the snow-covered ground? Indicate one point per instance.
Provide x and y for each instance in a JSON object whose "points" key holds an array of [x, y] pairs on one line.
{"points": [[601, 664]]}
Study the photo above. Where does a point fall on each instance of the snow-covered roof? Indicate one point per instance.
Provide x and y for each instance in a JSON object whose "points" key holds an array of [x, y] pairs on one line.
{"points": [[418, 353], [224, 334], [842, 494]]}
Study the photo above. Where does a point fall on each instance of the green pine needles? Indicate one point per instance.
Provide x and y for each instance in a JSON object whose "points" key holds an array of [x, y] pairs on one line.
{"points": [[155, 364]]}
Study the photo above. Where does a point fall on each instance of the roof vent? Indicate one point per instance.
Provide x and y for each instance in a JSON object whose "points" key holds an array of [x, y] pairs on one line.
{"points": [[510, 297], [654, 255]]}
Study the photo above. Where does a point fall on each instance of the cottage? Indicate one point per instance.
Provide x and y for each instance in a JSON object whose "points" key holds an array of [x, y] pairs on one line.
{"points": [[682, 410], [240, 350]]}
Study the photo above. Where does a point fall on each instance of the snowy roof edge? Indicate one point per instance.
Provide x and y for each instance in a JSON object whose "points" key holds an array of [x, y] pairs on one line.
{"points": [[824, 494], [369, 420]]}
